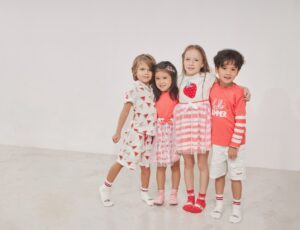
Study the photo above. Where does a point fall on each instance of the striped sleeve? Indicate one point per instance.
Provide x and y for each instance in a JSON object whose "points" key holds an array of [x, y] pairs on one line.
{"points": [[239, 131]]}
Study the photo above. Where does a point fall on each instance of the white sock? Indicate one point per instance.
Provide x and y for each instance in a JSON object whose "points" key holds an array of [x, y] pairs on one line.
{"points": [[218, 210], [236, 215], [105, 191], [146, 197]]}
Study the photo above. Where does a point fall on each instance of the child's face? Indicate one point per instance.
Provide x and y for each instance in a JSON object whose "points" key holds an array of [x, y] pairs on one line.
{"points": [[143, 73], [192, 62], [163, 80], [227, 73]]}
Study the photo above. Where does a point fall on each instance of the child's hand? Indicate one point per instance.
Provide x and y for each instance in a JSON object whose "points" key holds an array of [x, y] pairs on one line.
{"points": [[232, 152], [247, 94], [116, 137]]}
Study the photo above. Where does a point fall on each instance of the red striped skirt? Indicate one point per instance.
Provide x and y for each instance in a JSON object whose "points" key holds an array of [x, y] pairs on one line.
{"points": [[164, 146], [192, 127]]}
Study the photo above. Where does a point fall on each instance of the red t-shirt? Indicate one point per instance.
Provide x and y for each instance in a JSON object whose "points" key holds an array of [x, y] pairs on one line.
{"points": [[228, 115]]}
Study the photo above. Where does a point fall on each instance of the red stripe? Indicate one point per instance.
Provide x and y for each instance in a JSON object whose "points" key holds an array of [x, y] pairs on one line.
{"points": [[107, 184]]}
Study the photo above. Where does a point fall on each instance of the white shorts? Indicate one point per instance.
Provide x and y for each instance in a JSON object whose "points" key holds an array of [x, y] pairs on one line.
{"points": [[221, 164]]}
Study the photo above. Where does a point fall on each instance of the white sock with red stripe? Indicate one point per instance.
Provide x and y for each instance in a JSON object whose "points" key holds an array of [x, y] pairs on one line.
{"points": [[218, 210], [105, 191], [236, 215]]}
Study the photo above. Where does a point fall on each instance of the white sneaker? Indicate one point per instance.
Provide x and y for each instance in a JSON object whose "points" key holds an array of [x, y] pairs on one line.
{"points": [[217, 212], [105, 196], [236, 215], [145, 197]]}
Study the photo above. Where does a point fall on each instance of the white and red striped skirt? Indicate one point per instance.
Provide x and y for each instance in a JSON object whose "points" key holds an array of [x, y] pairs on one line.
{"points": [[192, 127], [164, 153]]}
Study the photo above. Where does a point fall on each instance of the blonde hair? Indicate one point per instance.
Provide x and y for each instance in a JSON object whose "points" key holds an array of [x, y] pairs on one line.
{"points": [[205, 68], [147, 59]]}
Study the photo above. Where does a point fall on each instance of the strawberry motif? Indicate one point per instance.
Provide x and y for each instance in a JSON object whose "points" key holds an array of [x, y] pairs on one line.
{"points": [[190, 90]]}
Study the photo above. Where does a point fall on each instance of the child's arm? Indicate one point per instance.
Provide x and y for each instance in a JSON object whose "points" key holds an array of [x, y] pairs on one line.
{"points": [[239, 132], [232, 152], [121, 121], [247, 93]]}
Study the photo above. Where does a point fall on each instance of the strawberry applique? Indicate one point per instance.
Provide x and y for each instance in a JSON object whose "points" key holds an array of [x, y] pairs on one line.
{"points": [[190, 90]]}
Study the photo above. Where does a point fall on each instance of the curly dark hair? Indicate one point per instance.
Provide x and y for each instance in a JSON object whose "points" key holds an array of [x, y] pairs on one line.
{"points": [[229, 56]]}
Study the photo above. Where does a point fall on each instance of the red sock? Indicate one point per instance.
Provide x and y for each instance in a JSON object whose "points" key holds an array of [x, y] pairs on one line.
{"points": [[200, 203], [190, 201], [107, 183]]}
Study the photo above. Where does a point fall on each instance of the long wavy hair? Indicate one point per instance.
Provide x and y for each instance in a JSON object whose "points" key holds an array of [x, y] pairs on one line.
{"points": [[205, 68]]}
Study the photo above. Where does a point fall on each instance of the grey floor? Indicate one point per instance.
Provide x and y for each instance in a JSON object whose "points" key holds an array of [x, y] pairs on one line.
{"points": [[50, 189]]}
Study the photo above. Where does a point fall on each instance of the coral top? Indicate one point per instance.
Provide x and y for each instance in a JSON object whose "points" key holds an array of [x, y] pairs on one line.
{"points": [[165, 106], [228, 115]]}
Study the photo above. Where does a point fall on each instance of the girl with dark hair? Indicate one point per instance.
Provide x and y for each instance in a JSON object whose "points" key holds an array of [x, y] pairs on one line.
{"points": [[166, 98]]}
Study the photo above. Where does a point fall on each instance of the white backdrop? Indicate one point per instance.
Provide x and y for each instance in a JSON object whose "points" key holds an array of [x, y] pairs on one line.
{"points": [[65, 66]]}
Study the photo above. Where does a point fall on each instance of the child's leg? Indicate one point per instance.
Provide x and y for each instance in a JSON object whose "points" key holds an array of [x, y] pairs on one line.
{"points": [[236, 215], [237, 173], [175, 169], [160, 179], [204, 172], [113, 172], [204, 179], [219, 187], [145, 178], [189, 181], [105, 189]]}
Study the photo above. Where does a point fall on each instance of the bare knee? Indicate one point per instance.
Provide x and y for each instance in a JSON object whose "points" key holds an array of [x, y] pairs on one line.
{"points": [[203, 163], [189, 162], [175, 167], [145, 170]]}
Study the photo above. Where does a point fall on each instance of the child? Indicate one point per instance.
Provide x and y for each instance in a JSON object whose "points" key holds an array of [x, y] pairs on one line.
{"points": [[193, 122], [228, 131], [137, 141], [166, 97], [192, 118]]}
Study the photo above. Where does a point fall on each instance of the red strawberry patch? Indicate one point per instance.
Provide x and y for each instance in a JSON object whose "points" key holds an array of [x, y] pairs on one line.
{"points": [[190, 90]]}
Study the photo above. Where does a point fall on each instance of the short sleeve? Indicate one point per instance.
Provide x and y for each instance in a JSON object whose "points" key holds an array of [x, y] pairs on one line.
{"points": [[130, 96]]}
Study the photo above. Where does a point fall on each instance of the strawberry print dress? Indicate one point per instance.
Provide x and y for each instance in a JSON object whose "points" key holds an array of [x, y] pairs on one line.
{"points": [[192, 115], [137, 139]]}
